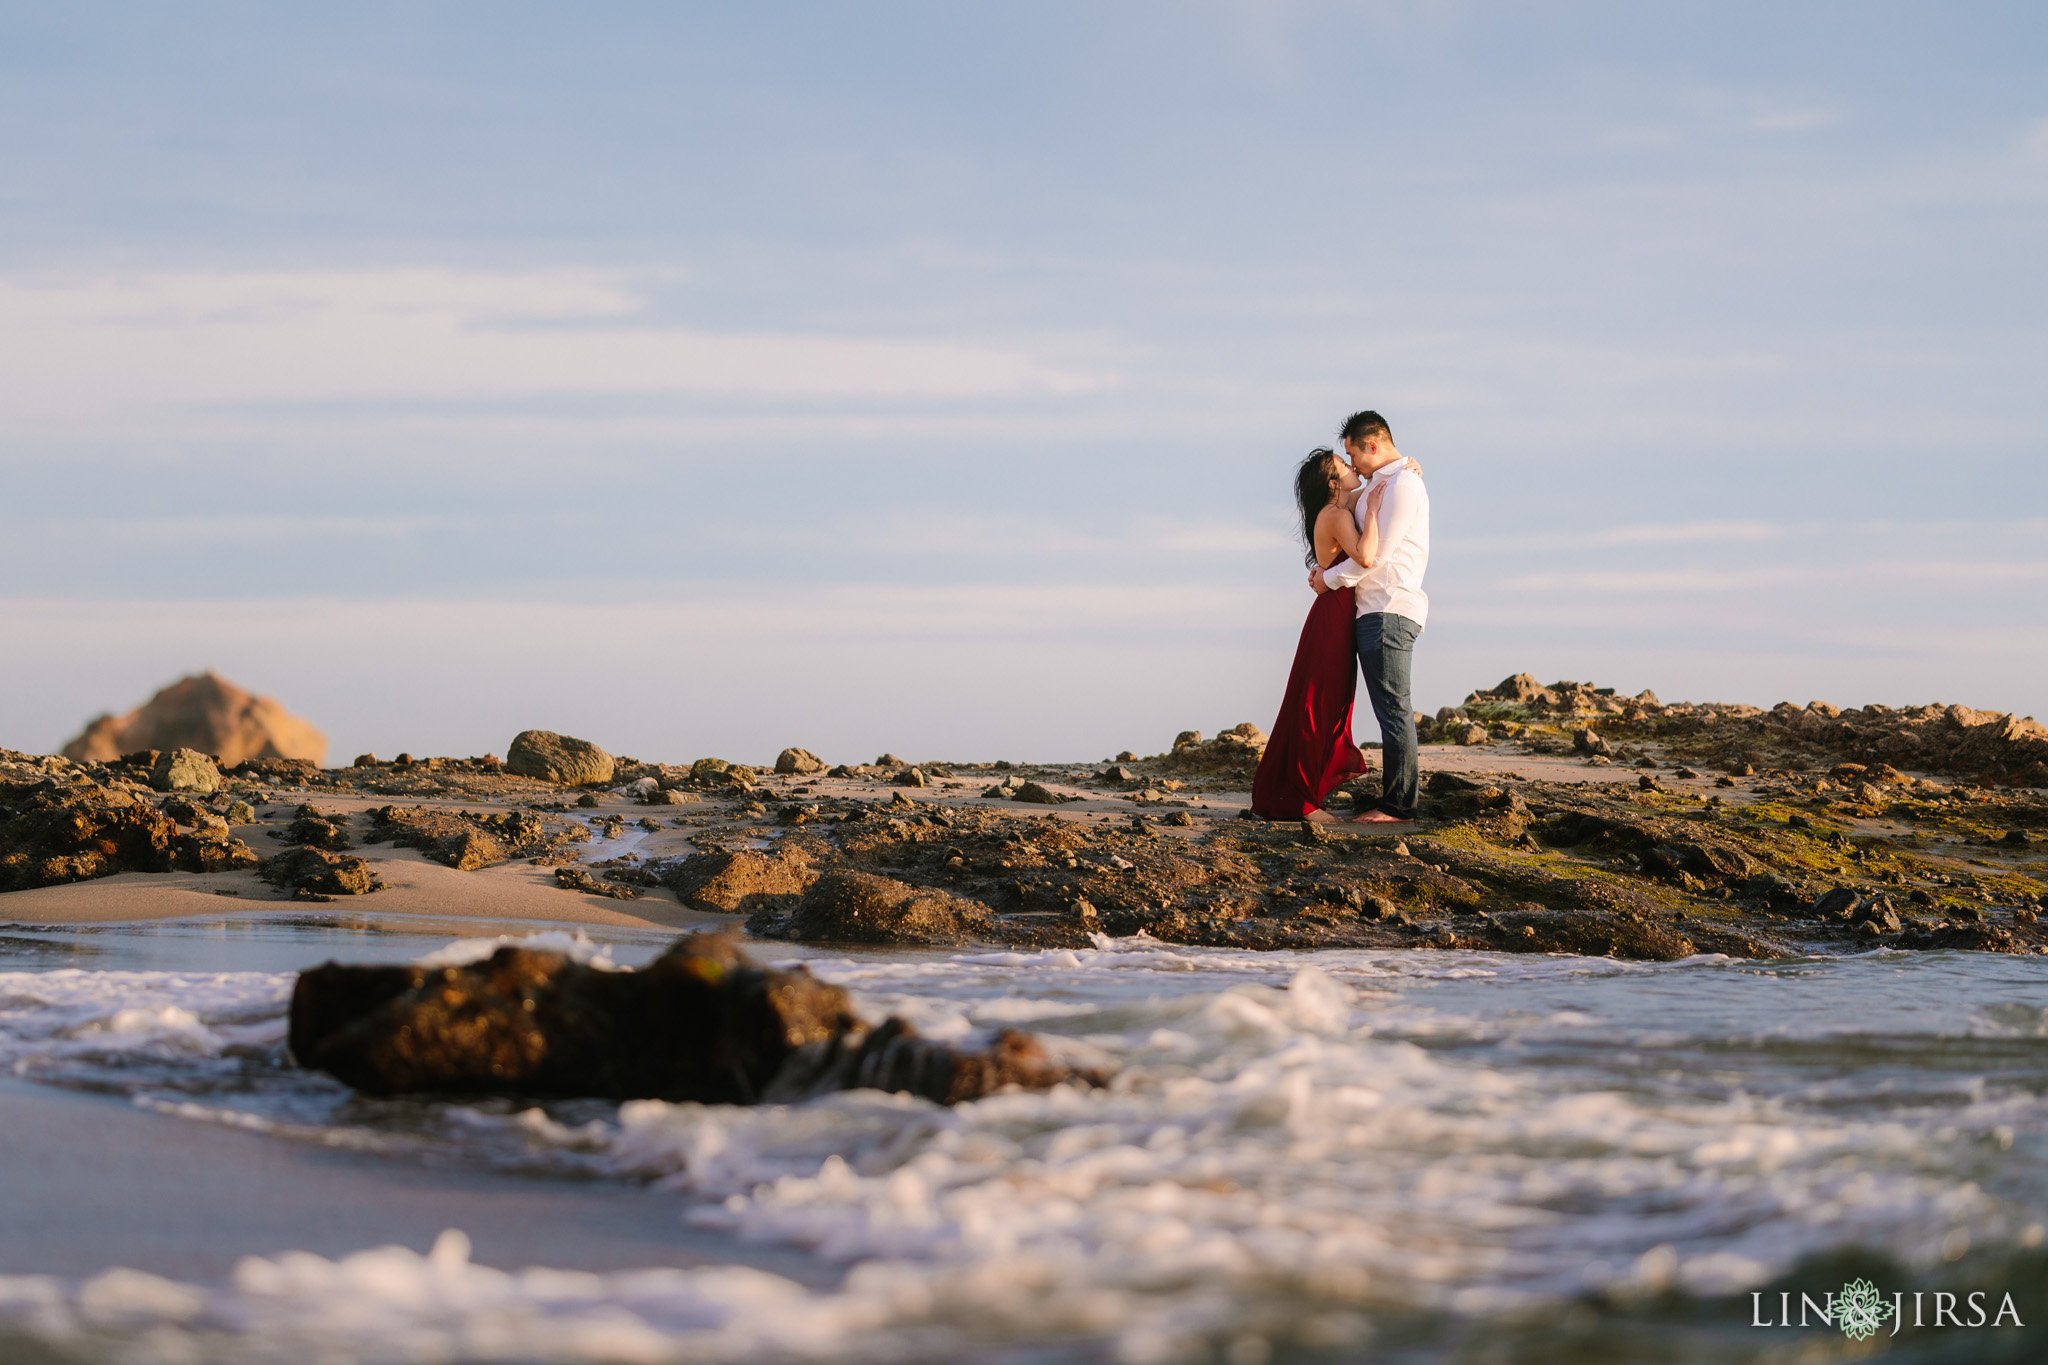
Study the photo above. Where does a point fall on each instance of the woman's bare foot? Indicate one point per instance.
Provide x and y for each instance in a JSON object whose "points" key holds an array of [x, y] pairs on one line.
{"points": [[1379, 817], [1321, 817]]}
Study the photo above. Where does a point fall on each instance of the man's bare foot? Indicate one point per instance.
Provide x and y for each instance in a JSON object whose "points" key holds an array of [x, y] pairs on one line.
{"points": [[1321, 817], [1379, 817]]}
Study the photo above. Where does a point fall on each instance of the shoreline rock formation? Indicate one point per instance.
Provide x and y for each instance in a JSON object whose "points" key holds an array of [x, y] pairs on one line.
{"points": [[207, 713], [1712, 828], [1983, 746]]}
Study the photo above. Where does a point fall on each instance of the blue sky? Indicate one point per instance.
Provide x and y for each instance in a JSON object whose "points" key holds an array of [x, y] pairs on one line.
{"points": [[927, 377]]}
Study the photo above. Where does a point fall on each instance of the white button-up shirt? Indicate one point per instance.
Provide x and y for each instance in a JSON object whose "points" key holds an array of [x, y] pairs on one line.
{"points": [[1394, 582]]}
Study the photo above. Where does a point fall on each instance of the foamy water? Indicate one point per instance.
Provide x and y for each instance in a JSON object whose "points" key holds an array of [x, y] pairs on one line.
{"points": [[1297, 1150]]}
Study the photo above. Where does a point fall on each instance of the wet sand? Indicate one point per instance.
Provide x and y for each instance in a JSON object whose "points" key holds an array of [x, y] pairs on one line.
{"points": [[92, 1181]]}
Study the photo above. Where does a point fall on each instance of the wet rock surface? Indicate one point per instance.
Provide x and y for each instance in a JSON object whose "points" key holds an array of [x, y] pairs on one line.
{"points": [[700, 1023]]}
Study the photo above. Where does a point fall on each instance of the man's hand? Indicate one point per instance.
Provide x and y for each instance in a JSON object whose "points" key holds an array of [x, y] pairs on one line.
{"points": [[1315, 580]]}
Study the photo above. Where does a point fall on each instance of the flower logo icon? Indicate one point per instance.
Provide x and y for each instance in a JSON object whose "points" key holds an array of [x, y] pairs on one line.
{"points": [[1860, 1309]]}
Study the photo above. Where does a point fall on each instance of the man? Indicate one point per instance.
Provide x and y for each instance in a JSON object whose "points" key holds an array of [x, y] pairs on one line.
{"points": [[1391, 606]]}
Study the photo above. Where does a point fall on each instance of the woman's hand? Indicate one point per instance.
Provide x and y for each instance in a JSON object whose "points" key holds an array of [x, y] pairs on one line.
{"points": [[1372, 503]]}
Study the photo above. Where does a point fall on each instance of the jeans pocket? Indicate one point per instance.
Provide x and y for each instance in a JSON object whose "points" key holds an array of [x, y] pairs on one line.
{"points": [[1398, 632]]}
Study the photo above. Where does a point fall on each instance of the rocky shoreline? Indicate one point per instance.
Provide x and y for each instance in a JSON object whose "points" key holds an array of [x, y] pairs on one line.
{"points": [[1557, 819]]}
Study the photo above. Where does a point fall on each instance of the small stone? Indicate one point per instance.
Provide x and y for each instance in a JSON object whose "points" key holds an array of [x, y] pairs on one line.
{"points": [[1598, 761], [1179, 818], [912, 777], [799, 761], [402, 761], [1797, 821], [588, 800], [889, 761], [2018, 836], [1038, 793], [1117, 774], [241, 813], [364, 761], [1649, 783], [1724, 781], [1127, 757], [1187, 737], [1444, 938], [1687, 773], [1400, 849]]}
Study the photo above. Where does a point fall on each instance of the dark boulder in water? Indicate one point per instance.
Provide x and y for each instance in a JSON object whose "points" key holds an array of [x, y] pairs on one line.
{"points": [[700, 1023]]}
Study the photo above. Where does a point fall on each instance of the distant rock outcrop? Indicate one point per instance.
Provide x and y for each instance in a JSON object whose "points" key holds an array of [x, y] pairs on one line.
{"points": [[207, 713]]}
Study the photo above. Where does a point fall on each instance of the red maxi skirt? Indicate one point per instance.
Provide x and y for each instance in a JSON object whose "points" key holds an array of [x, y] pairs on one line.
{"points": [[1310, 753]]}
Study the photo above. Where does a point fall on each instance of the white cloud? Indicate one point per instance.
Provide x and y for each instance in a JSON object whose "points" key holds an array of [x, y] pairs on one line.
{"points": [[72, 350]]}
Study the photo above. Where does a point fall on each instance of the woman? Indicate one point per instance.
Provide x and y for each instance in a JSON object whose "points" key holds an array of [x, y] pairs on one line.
{"points": [[1310, 753]]}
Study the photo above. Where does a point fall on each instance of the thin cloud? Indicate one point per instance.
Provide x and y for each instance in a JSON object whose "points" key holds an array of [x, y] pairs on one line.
{"points": [[70, 350]]}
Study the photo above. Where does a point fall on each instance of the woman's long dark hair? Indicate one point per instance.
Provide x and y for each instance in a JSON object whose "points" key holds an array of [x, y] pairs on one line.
{"points": [[1312, 495]]}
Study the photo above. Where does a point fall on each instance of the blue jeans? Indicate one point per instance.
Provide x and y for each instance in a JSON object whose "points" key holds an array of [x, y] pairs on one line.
{"points": [[1386, 653]]}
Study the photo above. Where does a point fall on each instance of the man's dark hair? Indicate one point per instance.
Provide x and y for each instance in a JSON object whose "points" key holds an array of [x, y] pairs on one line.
{"points": [[1364, 426]]}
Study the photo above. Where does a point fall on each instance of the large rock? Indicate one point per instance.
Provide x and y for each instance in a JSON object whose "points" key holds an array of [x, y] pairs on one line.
{"points": [[700, 1023], [184, 770], [798, 761], [558, 758], [209, 714]]}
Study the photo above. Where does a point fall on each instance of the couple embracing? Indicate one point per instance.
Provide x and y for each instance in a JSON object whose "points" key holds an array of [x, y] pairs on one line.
{"points": [[1365, 518]]}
